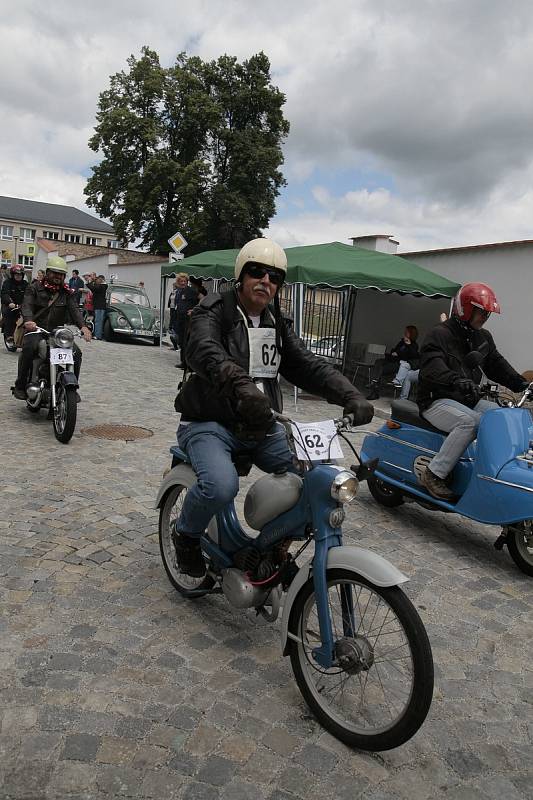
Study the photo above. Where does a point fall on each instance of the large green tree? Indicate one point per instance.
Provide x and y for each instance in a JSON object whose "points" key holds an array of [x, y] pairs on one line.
{"points": [[195, 147]]}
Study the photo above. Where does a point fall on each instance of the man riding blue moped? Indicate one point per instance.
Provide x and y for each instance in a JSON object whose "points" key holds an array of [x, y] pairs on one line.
{"points": [[483, 467]]}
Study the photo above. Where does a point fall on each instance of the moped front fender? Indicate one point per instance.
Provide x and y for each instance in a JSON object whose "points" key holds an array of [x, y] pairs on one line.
{"points": [[369, 565], [181, 475]]}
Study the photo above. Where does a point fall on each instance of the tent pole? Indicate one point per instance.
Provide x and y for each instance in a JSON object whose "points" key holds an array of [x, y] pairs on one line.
{"points": [[298, 305], [162, 293]]}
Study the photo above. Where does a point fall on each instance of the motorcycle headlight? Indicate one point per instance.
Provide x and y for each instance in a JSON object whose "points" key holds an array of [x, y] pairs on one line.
{"points": [[122, 321], [64, 338], [344, 487]]}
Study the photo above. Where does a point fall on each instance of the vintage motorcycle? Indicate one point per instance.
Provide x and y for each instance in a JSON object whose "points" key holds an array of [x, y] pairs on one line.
{"points": [[53, 384], [358, 648], [493, 481]]}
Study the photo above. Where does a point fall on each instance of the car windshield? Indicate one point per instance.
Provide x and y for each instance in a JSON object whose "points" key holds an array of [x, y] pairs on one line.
{"points": [[121, 294]]}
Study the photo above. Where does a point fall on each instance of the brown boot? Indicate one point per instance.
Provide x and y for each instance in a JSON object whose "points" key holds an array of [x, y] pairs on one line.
{"points": [[436, 486]]}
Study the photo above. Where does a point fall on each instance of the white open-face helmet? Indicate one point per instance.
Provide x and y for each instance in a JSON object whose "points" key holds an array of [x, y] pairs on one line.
{"points": [[261, 251]]}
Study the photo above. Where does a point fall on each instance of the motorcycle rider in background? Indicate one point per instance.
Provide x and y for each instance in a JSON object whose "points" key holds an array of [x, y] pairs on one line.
{"points": [[64, 310], [12, 294], [236, 345], [448, 388]]}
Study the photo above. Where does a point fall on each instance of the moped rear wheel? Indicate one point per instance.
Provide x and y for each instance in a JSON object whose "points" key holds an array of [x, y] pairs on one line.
{"points": [[378, 693], [520, 545], [169, 512], [65, 413], [383, 493]]}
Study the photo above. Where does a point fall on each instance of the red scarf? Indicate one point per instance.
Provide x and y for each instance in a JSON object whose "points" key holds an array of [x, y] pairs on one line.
{"points": [[52, 287]]}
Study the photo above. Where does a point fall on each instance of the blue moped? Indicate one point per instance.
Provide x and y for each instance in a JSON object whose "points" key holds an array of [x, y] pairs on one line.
{"points": [[493, 481], [358, 648]]}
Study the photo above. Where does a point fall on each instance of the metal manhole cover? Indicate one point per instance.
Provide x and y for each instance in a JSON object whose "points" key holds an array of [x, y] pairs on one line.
{"points": [[126, 433]]}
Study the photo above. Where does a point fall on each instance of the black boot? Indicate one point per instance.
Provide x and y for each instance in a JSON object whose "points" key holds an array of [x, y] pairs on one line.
{"points": [[436, 486], [374, 391], [189, 554]]}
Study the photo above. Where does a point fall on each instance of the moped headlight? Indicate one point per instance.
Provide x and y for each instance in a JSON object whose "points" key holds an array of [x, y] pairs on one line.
{"points": [[64, 338], [344, 487]]}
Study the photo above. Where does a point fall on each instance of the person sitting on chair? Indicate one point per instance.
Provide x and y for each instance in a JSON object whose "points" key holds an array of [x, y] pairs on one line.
{"points": [[448, 387], [406, 350]]}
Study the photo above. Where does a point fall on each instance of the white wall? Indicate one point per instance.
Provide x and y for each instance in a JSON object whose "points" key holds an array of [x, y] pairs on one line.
{"points": [[509, 270], [150, 273]]}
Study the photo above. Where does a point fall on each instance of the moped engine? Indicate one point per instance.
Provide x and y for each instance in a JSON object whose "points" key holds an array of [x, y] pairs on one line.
{"points": [[240, 592]]}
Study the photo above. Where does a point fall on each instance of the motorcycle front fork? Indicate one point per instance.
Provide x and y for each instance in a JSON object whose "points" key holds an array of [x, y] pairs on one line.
{"points": [[325, 654]]}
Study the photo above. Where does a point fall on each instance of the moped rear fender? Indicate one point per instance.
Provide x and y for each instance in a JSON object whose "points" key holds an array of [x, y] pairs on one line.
{"points": [[369, 565]]}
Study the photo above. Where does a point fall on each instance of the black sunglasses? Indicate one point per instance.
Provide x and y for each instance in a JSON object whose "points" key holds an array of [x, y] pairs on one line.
{"points": [[275, 276]]}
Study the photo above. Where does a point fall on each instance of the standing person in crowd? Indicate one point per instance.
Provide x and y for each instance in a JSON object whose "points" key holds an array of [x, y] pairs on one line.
{"points": [[197, 284], [12, 295], [39, 278], [406, 350], [98, 287], [185, 299], [76, 284]]}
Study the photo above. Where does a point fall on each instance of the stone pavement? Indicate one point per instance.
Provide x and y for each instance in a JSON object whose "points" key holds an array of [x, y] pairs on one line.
{"points": [[114, 686]]}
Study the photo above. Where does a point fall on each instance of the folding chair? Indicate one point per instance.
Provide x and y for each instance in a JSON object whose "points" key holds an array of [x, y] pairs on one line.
{"points": [[373, 352]]}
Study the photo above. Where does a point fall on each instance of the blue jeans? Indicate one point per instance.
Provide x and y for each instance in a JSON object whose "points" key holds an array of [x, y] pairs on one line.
{"points": [[99, 315], [461, 422], [410, 378], [209, 447]]}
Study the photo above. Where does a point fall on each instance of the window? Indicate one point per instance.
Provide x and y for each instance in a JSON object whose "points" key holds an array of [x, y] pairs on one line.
{"points": [[92, 240], [27, 234], [26, 261], [113, 243], [74, 238], [51, 235], [6, 231], [6, 258]]}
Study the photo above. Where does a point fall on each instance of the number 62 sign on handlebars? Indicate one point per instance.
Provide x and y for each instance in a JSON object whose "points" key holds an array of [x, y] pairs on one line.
{"points": [[317, 441]]}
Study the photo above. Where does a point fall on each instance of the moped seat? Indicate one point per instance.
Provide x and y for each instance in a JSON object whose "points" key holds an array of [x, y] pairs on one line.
{"points": [[406, 411]]}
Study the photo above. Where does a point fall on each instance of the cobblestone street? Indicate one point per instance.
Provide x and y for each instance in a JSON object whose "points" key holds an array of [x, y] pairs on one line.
{"points": [[112, 685]]}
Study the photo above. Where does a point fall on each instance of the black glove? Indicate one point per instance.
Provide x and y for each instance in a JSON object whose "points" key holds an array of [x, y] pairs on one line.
{"points": [[254, 410], [362, 410], [467, 387]]}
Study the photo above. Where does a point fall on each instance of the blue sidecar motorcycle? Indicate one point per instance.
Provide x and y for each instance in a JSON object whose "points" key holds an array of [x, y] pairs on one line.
{"points": [[493, 481], [359, 651]]}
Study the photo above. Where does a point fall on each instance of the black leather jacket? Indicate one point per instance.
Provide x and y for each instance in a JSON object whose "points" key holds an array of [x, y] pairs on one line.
{"points": [[64, 311], [443, 361], [13, 292], [218, 354]]}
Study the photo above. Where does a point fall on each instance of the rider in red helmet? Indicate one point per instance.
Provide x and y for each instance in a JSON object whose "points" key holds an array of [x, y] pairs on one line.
{"points": [[12, 294], [448, 384]]}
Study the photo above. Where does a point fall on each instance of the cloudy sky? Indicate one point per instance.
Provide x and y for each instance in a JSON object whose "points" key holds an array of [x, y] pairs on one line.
{"points": [[408, 117]]}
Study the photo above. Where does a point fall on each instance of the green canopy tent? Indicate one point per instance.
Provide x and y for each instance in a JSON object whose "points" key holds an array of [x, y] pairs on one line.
{"points": [[334, 264]]}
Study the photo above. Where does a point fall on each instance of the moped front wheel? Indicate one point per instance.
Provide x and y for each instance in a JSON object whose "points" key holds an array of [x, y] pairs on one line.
{"points": [[169, 512], [378, 691], [65, 413], [520, 545], [383, 493]]}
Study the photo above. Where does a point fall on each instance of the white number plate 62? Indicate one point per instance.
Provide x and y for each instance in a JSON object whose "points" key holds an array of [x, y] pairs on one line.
{"points": [[317, 441], [60, 356]]}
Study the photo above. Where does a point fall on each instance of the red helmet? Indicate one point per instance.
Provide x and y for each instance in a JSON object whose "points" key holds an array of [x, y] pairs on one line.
{"points": [[17, 269], [474, 295]]}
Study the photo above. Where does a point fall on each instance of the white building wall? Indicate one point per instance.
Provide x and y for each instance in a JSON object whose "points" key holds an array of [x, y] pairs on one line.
{"points": [[509, 270]]}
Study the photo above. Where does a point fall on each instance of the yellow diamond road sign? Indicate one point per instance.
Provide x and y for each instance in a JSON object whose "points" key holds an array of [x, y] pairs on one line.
{"points": [[177, 242]]}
